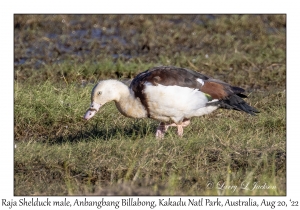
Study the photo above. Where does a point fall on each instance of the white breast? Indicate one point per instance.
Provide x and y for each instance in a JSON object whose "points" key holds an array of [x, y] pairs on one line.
{"points": [[175, 103]]}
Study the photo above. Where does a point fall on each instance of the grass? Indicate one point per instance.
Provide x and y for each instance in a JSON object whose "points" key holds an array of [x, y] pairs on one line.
{"points": [[58, 153], [77, 157]]}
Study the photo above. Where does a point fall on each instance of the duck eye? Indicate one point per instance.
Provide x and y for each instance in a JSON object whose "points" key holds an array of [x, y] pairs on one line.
{"points": [[100, 92]]}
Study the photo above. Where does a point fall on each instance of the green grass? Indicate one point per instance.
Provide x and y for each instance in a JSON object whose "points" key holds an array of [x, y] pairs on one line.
{"points": [[58, 153]]}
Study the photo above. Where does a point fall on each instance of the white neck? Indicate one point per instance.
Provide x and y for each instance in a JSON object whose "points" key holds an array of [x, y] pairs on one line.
{"points": [[128, 104]]}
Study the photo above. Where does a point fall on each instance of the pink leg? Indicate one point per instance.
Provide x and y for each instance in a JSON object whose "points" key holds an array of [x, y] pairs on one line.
{"points": [[162, 128], [179, 130], [180, 127], [185, 123]]}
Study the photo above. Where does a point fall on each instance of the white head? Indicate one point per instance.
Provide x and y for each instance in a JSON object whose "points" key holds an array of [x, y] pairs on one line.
{"points": [[105, 91]]}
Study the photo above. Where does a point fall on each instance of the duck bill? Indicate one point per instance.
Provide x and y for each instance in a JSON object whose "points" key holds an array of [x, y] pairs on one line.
{"points": [[94, 108]]}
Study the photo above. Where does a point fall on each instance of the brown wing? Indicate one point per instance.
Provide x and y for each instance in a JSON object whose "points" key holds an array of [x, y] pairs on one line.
{"points": [[220, 90], [166, 75], [229, 97]]}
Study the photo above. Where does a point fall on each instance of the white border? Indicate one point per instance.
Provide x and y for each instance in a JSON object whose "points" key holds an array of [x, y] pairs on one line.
{"points": [[6, 84]]}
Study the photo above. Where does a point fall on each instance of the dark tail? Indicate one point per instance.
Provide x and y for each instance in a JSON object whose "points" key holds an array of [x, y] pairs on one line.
{"points": [[237, 103]]}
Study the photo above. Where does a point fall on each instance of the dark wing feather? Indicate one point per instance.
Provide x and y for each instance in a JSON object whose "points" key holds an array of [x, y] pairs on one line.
{"points": [[166, 75], [230, 97]]}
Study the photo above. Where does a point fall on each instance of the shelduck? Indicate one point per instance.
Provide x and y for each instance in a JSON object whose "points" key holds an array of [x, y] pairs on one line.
{"points": [[170, 95]]}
